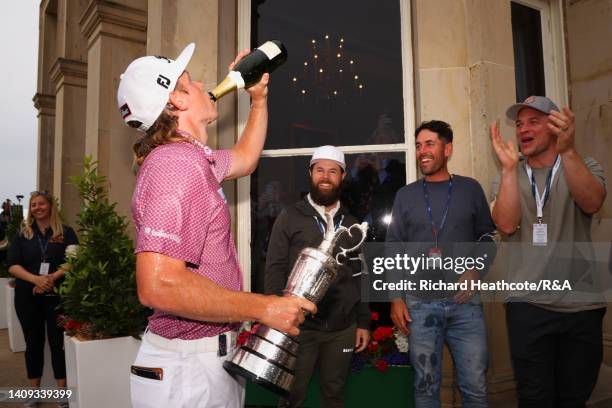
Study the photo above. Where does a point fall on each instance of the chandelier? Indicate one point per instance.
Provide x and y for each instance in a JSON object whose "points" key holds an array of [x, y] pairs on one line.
{"points": [[328, 73]]}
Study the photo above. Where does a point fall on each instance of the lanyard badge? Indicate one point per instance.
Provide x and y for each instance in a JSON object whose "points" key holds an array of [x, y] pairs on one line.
{"points": [[44, 265], [540, 229], [436, 251]]}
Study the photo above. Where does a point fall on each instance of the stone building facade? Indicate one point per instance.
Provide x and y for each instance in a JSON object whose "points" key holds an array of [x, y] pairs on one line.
{"points": [[458, 66]]}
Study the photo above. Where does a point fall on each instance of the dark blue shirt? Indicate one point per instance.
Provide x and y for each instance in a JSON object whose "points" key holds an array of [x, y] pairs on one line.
{"points": [[28, 252], [468, 220]]}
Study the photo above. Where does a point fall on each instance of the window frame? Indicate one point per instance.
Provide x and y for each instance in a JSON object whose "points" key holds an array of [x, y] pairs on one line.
{"points": [[243, 205], [553, 47]]}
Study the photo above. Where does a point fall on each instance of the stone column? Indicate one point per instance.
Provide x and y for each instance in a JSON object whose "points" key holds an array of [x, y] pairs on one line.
{"points": [[590, 85], [465, 76], [69, 77], [45, 104], [44, 99], [116, 33]]}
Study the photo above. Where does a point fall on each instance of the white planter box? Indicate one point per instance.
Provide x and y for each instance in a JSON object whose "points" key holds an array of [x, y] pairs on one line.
{"points": [[99, 371], [16, 341], [3, 305]]}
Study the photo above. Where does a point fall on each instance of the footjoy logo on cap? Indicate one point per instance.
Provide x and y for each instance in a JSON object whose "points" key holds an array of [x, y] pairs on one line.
{"points": [[125, 111], [530, 99], [163, 81]]}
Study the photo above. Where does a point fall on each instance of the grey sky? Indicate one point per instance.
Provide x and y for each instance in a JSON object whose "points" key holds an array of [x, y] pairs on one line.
{"points": [[18, 137]]}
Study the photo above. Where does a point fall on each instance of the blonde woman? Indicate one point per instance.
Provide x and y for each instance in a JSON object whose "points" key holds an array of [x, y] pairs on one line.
{"points": [[34, 259]]}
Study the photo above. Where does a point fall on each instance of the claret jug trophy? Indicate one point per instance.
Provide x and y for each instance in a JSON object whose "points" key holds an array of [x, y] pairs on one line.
{"points": [[268, 356]]}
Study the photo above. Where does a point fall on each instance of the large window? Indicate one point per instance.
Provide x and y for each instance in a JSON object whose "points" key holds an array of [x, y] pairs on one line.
{"points": [[347, 82]]}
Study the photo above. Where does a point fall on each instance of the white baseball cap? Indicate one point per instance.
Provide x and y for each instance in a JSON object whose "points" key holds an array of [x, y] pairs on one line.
{"points": [[328, 153], [145, 87]]}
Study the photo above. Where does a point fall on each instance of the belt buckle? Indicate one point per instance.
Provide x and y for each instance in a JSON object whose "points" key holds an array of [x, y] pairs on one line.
{"points": [[222, 345]]}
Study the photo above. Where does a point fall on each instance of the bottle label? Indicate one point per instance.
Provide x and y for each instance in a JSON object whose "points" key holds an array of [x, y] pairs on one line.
{"points": [[270, 49], [236, 77]]}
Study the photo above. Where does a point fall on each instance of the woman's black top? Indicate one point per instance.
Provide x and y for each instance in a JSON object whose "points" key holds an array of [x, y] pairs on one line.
{"points": [[30, 253]]}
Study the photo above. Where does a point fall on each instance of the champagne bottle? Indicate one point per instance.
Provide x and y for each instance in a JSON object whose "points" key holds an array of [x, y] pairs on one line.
{"points": [[249, 70]]}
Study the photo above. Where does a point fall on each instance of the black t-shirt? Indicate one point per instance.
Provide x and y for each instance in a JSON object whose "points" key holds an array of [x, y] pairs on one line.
{"points": [[28, 253]]}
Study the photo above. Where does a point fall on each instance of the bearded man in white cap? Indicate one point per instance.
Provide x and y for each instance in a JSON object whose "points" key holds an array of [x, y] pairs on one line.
{"points": [[186, 263], [341, 326]]}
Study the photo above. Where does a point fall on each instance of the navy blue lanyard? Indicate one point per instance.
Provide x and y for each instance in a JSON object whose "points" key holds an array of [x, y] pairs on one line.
{"points": [[437, 231], [43, 248], [547, 186]]}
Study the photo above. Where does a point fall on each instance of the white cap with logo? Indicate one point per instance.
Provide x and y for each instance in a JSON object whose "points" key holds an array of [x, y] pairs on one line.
{"points": [[145, 87], [328, 153]]}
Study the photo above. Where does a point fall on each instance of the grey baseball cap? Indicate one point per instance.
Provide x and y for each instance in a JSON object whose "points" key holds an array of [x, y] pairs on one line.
{"points": [[539, 103]]}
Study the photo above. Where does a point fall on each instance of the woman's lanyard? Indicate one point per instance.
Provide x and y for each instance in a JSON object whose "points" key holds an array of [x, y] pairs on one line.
{"points": [[43, 247], [541, 200], [44, 265], [437, 231]]}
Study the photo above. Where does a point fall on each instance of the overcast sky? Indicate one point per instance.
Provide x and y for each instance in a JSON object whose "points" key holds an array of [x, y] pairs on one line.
{"points": [[18, 136]]}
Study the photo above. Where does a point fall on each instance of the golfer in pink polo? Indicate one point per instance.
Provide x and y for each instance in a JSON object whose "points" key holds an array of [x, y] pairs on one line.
{"points": [[186, 264]]}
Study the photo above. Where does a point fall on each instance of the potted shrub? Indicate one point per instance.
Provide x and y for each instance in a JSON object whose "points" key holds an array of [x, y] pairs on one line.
{"points": [[102, 315]]}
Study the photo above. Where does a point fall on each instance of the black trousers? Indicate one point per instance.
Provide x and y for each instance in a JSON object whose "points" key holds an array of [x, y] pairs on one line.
{"points": [[34, 313], [331, 353], [556, 356]]}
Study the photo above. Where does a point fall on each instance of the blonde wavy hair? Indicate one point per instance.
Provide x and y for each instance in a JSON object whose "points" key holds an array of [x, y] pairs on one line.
{"points": [[55, 221], [161, 132]]}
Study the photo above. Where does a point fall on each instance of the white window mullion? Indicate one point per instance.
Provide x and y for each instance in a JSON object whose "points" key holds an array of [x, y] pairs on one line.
{"points": [[396, 147], [243, 204]]}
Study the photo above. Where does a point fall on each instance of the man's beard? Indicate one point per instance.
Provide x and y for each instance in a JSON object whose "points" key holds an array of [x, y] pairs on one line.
{"points": [[324, 198]]}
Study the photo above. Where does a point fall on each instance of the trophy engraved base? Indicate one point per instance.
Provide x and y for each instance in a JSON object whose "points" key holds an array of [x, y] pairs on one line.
{"points": [[267, 358]]}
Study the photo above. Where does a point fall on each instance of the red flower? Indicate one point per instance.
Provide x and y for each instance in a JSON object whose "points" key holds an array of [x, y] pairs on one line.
{"points": [[243, 337], [373, 347], [374, 316], [382, 333], [381, 365], [72, 325]]}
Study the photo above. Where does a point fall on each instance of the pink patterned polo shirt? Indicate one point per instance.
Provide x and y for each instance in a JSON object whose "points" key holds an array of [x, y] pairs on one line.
{"points": [[179, 210]]}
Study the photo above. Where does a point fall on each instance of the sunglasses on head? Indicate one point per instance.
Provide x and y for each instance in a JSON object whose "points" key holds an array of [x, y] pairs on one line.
{"points": [[42, 193]]}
